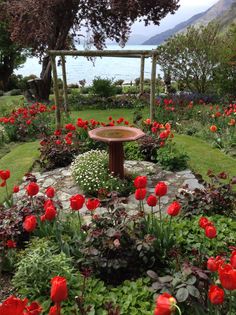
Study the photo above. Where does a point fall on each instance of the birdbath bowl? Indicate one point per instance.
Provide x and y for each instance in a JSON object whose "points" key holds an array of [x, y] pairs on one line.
{"points": [[115, 136]]}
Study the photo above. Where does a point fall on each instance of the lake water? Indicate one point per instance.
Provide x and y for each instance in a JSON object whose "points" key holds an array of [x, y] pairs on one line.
{"points": [[80, 68]]}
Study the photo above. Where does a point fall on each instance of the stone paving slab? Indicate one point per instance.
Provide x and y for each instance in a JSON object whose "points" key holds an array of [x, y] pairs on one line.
{"points": [[61, 179]]}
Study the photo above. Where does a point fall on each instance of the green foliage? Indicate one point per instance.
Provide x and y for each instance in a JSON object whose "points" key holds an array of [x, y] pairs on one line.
{"points": [[90, 171], [11, 55], [132, 151], [198, 54], [133, 297], [103, 87], [191, 238], [40, 262], [171, 158]]}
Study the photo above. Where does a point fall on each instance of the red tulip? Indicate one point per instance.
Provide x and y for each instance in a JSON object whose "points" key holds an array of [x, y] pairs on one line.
{"points": [[140, 182], [203, 222], [33, 309], [4, 175], [152, 201], [92, 204], [210, 231], [59, 290], [77, 202], [55, 310], [140, 193], [48, 203], [11, 244], [32, 189], [161, 189], [216, 295], [227, 276], [30, 223], [214, 263], [213, 128], [16, 189], [165, 304], [13, 306], [50, 192], [3, 183], [174, 209], [50, 213], [233, 259]]}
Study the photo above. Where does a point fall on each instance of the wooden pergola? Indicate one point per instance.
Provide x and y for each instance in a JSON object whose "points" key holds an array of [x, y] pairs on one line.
{"points": [[142, 54]]}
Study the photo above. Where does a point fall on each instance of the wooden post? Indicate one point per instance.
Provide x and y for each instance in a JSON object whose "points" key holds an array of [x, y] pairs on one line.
{"points": [[142, 73], [153, 84], [63, 63], [56, 92]]}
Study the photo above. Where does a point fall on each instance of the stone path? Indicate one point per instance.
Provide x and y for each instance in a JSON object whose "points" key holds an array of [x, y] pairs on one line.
{"points": [[62, 180]]}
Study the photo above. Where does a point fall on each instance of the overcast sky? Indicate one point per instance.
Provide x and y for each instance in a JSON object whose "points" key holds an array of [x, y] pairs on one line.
{"points": [[187, 9]]}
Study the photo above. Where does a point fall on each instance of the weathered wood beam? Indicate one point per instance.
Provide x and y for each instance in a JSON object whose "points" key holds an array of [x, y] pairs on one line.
{"points": [[142, 74], [100, 53], [56, 92], [66, 105], [153, 84]]}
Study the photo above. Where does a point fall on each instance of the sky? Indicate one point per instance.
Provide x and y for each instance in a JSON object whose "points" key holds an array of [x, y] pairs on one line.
{"points": [[187, 9]]}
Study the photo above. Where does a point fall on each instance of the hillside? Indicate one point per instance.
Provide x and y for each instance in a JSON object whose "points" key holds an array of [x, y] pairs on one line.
{"points": [[220, 10]]}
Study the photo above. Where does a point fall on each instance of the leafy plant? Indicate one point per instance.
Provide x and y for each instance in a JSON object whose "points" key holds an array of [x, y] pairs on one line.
{"points": [[186, 285], [103, 87], [217, 197], [132, 151], [56, 152], [171, 158], [116, 246]]}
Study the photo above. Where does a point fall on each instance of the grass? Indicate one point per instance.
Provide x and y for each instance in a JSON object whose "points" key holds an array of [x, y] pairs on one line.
{"points": [[102, 115], [8, 103], [203, 157], [19, 161]]}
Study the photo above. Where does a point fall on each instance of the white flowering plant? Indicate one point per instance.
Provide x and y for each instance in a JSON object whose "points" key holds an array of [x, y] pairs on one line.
{"points": [[90, 171]]}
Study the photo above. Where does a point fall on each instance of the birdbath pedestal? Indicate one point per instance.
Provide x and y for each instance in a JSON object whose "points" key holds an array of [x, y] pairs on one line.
{"points": [[115, 136]]}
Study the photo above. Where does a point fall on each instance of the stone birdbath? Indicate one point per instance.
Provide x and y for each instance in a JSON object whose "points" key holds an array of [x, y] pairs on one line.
{"points": [[115, 136]]}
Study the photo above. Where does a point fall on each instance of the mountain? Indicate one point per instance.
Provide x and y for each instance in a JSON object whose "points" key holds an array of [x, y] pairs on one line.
{"points": [[222, 7], [136, 39]]}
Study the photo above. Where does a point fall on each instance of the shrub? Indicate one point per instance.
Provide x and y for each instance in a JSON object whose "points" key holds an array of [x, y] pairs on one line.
{"points": [[56, 152], [14, 92], [132, 151], [217, 197], [1, 93], [103, 87], [171, 158], [90, 171], [116, 247]]}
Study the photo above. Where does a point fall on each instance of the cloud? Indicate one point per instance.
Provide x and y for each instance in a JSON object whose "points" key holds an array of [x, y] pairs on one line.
{"points": [[198, 3]]}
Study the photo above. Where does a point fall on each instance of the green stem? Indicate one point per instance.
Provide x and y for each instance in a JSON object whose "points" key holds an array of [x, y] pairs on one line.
{"points": [[79, 220], [159, 203], [230, 303], [179, 310], [7, 191]]}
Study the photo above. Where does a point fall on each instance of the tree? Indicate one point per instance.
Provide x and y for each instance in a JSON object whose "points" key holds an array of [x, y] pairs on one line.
{"points": [[225, 74], [11, 55], [190, 58], [55, 24]]}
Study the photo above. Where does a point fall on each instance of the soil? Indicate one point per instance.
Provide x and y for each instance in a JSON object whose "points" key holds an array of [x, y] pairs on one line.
{"points": [[6, 289]]}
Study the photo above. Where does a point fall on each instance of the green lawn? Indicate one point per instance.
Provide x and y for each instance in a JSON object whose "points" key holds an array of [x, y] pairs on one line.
{"points": [[102, 115], [8, 103], [19, 161], [203, 157]]}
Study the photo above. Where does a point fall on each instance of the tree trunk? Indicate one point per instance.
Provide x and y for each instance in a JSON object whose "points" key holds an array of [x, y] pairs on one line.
{"points": [[6, 70]]}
